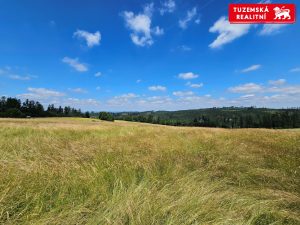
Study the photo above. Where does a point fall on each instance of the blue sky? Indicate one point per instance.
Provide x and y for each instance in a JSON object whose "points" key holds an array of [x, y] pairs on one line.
{"points": [[145, 55]]}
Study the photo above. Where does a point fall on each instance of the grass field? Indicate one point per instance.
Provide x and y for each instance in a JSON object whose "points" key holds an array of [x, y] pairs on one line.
{"points": [[85, 171]]}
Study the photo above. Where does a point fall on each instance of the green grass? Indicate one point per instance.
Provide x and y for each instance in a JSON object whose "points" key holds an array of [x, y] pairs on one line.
{"points": [[84, 171]]}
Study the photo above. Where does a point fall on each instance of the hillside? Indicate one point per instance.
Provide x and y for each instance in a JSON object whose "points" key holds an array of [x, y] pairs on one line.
{"points": [[86, 171], [226, 117]]}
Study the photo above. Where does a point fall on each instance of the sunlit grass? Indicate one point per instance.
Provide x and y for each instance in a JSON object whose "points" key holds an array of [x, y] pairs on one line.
{"points": [[85, 171]]}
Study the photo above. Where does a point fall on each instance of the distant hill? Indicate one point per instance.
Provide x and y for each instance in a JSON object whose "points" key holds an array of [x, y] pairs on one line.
{"points": [[226, 117]]}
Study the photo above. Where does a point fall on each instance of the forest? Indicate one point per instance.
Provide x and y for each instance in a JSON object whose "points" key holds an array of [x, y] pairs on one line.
{"points": [[15, 108], [226, 117]]}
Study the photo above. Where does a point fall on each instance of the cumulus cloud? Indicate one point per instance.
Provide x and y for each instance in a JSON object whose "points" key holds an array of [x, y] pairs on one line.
{"points": [[251, 68], [168, 6], [227, 32], [190, 15], [187, 76], [157, 88], [74, 63], [194, 85], [140, 25], [92, 39], [269, 29]]}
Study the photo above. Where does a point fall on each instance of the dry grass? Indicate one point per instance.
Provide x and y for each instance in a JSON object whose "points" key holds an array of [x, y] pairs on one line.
{"points": [[84, 171]]}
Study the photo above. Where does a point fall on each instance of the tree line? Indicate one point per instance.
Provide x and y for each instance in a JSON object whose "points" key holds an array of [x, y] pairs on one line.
{"points": [[15, 108], [227, 117]]}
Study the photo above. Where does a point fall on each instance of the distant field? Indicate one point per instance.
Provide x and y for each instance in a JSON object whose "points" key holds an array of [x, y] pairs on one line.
{"points": [[85, 171]]}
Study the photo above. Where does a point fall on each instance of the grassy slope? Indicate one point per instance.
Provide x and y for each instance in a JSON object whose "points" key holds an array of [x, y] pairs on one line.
{"points": [[80, 171]]}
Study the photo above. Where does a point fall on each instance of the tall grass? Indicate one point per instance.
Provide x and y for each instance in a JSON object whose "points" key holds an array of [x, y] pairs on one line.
{"points": [[83, 171]]}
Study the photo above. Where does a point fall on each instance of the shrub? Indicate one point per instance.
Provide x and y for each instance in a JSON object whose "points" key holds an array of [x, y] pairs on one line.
{"points": [[106, 116]]}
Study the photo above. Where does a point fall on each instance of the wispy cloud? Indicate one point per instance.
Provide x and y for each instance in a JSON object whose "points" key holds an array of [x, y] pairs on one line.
{"points": [[190, 15], [183, 93], [277, 82], [92, 39], [7, 72], [187, 76], [40, 93], [98, 74], [184, 48], [168, 6], [277, 86], [295, 70], [269, 29], [157, 88], [246, 88], [227, 32], [251, 68], [78, 90], [74, 63], [18, 77], [194, 85]]}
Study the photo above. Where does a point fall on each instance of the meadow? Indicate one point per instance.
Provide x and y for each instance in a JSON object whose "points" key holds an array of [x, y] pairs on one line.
{"points": [[87, 171]]}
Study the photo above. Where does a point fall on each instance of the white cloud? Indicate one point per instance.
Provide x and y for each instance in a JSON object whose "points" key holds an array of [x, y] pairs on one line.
{"points": [[191, 14], [183, 93], [140, 25], [227, 32], [92, 39], [157, 88], [251, 68], [246, 88], [98, 88], [269, 29], [80, 67], [7, 71], [40, 93], [18, 77], [194, 85], [78, 90], [187, 76], [98, 74], [168, 6], [292, 89], [48, 96], [277, 82], [294, 70], [184, 48], [87, 104], [158, 31], [138, 81], [277, 86], [121, 100]]}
